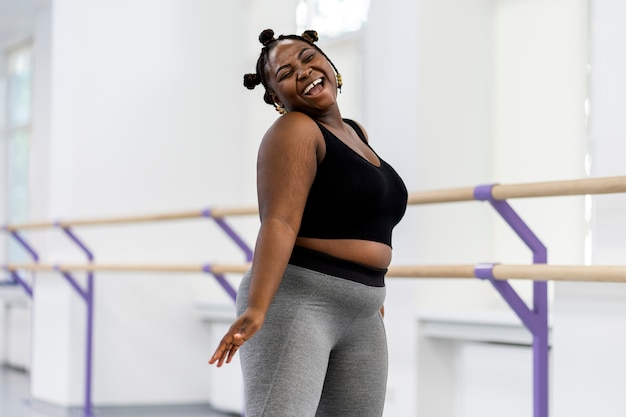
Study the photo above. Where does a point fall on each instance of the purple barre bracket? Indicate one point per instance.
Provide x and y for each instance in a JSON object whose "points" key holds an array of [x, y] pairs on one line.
{"points": [[535, 320], [33, 254], [70, 279], [221, 279], [483, 192], [231, 233], [25, 245], [484, 270], [16, 277], [88, 296], [76, 240]]}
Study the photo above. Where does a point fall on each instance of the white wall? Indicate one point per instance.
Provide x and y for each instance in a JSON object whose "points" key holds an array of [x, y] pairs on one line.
{"points": [[148, 115], [14, 327], [590, 319], [40, 145], [467, 93], [540, 133], [145, 118], [428, 111], [3, 146]]}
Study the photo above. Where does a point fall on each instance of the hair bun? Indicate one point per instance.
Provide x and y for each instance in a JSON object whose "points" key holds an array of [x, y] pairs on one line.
{"points": [[266, 37], [310, 35], [251, 80]]}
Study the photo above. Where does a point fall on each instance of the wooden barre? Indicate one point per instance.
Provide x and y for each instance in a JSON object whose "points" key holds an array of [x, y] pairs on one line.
{"points": [[540, 272], [536, 272], [182, 215], [607, 185], [193, 214], [214, 268], [431, 271], [441, 196]]}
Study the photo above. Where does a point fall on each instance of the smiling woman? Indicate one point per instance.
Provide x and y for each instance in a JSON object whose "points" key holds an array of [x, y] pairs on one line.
{"points": [[303, 52], [310, 308]]}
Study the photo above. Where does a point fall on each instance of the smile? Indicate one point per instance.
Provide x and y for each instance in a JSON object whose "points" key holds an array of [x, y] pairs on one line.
{"points": [[310, 86]]}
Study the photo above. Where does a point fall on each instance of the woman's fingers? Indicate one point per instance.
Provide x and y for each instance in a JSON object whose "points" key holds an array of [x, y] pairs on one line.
{"points": [[232, 348], [221, 351], [231, 352], [243, 329], [227, 348]]}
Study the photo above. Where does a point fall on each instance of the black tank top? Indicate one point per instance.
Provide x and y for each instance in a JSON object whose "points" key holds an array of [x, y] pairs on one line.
{"points": [[351, 198]]}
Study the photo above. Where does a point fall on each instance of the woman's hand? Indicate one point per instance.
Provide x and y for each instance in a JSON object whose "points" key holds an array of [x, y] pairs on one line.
{"points": [[242, 330]]}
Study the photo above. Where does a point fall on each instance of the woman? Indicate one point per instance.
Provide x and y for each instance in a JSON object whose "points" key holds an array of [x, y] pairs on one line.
{"points": [[309, 310]]}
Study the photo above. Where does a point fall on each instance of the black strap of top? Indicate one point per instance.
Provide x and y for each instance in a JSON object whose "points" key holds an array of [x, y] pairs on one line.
{"points": [[357, 129]]}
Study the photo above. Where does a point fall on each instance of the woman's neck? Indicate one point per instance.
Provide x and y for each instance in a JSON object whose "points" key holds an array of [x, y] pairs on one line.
{"points": [[331, 119]]}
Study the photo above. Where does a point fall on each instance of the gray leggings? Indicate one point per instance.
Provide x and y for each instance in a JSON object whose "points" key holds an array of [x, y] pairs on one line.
{"points": [[321, 352]]}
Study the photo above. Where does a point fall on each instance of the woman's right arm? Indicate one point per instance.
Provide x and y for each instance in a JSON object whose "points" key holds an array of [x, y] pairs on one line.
{"points": [[286, 167]]}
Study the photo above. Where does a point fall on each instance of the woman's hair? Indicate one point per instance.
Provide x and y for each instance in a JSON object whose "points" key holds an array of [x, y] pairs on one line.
{"points": [[267, 39]]}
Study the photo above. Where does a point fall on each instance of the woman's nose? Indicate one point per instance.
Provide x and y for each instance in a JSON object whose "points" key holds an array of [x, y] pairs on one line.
{"points": [[304, 72]]}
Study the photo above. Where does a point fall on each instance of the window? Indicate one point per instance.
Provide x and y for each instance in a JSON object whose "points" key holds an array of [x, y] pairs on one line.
{"points": [[18, 137], [332, 17]]}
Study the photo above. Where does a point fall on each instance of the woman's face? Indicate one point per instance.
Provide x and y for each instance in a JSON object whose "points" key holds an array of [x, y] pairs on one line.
{"points": [[300, 77]]}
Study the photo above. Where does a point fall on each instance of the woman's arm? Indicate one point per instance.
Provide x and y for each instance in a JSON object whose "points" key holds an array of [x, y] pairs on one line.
{"points": [[286, 167]]}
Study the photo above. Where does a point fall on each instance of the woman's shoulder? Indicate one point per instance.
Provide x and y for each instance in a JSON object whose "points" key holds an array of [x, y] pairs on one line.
{"points": [[294, 126], [295, 120], [294, 134]]}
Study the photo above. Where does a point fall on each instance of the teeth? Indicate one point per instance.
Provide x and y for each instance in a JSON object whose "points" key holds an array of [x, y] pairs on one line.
{"points": [[313, 84]]}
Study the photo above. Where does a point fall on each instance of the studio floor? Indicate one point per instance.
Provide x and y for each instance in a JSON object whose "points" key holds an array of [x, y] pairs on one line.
{"points": [[15, 401]]}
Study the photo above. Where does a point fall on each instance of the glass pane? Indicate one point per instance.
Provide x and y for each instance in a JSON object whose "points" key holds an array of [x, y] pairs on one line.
{"points": [[19, 112], [332, 17], [18, 175], [17, 186], [19, 83]]}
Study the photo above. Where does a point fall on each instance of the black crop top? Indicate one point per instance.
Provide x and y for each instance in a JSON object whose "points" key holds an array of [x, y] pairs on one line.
{"points": [[351, 198]]}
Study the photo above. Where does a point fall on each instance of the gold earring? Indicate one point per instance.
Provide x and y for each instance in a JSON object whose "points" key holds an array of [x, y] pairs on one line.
{"points": [[339, 82], [280, 109]]}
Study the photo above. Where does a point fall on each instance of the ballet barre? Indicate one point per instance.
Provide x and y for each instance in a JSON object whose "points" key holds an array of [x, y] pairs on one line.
{"points": [[502, 272], [166, 268], [215, 213], [86, 291], [499, 192], [606, 185], [535, 318]]}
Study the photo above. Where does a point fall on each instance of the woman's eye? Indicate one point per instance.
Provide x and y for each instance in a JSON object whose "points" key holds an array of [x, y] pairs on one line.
{"points": [[308, 58], [284, 75]]}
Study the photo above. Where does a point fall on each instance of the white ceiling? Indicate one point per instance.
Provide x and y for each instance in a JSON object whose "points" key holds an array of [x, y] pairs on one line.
{"points": [[17, 19]]}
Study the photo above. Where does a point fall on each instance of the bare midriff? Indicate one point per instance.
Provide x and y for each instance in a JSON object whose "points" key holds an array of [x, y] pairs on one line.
{"points": [[365, 252]]}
